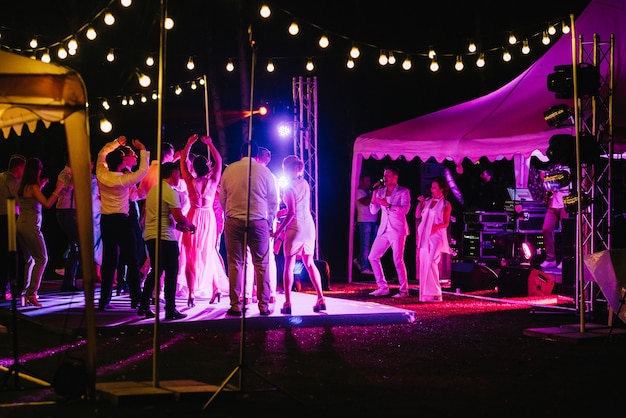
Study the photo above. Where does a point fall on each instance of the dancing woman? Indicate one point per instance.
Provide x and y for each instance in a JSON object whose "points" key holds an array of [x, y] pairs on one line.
{"points": [[300, 232], [432, 238], [203, 269], [28, 226]]}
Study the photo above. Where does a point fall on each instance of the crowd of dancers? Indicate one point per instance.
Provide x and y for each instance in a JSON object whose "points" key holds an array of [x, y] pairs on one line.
{"points": [[200, 205]]}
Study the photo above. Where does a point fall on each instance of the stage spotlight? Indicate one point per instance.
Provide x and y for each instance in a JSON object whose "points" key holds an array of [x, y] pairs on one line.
{"points": [[562, 150], [558, 115], [561, 81], [571, 203], [526, 250]]}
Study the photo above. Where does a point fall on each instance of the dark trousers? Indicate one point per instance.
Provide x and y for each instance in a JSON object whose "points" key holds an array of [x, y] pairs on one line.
{"points": [[168, 263], [68, 222], [8, 269], [118, 238]]}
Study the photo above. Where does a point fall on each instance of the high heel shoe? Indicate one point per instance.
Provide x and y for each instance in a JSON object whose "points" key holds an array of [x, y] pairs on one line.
{"points": [[319, 306], [190, 302], [216, 295], [32, 301], [286, 309]]}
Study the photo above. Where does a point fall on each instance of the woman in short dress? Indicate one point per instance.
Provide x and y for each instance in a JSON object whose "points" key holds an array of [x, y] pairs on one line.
{"points": [[299, 232]]}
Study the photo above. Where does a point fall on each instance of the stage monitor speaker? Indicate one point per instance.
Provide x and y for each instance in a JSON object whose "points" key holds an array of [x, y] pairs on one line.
{"points": [[539, 283], [513, 281], [470, 277]]}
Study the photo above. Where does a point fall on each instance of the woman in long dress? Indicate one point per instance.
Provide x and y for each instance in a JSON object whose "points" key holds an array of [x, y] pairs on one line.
{"points": [[205, 275], [299, 232], [432, 238], [28, 226]]}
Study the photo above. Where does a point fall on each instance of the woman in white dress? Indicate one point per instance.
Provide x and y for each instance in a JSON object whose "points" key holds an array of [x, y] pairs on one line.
{"points": [[432, 238], [299, 230]]}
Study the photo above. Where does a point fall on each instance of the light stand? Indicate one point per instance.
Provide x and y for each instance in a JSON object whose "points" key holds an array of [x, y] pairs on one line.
{"points": [[14, 369], [242, 366]]}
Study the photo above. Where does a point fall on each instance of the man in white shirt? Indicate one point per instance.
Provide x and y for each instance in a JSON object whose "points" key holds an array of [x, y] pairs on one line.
{"points": [[256, 210], [117, 236]]}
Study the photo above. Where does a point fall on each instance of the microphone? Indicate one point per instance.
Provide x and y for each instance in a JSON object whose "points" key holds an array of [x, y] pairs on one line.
{"points": [[380, 183]]}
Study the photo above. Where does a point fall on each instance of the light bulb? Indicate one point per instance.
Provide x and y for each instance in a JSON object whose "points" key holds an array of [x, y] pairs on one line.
{"points": [[382, 58], [354, 52], [105, 125], [105, 104], [434, 65], [230, 67], [525, 47], [458, 65], [111, 56], [294, 29], [480, 62], [551, 30], [270, 66], [126, 3], [545, 39], [471, 47], [143, 99], [512, 39], [431, 53], [350, 63], [565, 28], [109, 19], [265, 11], [91, 34], [391, 59], [190, 64], [72, 44], [323, 42], [62, 53], [506, 55], [169, 23], [144, 80], [309, 65], [406, 64], [45, 57], [33, 43], [178, 90], [149, 61]]}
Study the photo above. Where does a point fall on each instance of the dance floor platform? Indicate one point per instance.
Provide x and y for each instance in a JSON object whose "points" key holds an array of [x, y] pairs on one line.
{"points": [[65, 312]]}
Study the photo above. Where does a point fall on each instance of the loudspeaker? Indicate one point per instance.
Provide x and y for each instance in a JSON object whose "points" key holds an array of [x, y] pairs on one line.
{"points": [[513, 281], [539, 283], [568, 271], [469, 277]]}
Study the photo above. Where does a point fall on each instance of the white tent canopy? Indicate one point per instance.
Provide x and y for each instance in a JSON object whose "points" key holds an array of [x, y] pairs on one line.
{"points": [[508, 122], [33, 91]]}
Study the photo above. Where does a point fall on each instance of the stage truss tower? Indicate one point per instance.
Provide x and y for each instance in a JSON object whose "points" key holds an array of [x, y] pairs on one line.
{"points": [[304, 93], [595, 120]]}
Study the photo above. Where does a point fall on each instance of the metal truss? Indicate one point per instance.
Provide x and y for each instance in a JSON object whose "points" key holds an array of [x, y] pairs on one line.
{"points": [[595, 122], [304, 93]]}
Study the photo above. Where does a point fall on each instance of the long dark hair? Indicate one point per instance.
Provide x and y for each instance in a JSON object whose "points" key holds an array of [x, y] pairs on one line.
{"points": [[443, 185], [32, 170]]}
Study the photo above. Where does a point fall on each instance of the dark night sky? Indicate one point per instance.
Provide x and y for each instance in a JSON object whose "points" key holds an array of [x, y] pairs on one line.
{"points": [[351, 102]]}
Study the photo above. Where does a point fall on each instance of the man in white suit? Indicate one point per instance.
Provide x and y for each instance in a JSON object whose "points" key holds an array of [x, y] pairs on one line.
{"points": [[394, 202]]}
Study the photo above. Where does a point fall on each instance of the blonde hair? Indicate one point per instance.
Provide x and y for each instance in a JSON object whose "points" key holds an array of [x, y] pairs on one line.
{"points": [[293, 165]]}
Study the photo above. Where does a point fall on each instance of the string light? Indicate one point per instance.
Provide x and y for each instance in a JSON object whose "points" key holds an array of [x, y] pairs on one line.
{"points": [[406, 64], [431, 53], [105, 125], [355, 52], [434, 65], [265, 11], [126, 3], [323, 42], [309, 65], [149, 61], [105, 104], [382, 58], [33, 43], [391, 59], [551, 30], [91, 34], [506, 55], [294, 29], [480, 62], [144, 79], [350, 63], [62, 53], [143, 99], [190, 64], [169, 23], [111, 55], [270, 66], [46, 57], [230, 67], [525, 47], [545, 38], [471, 47], [565, 28], [178, 90], [512, 39], [194, 86], [458, 65], [109, 19]]}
